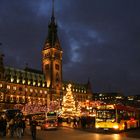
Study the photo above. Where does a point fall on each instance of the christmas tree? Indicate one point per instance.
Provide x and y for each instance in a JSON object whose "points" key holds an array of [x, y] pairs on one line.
{"points": [[68, 104]]}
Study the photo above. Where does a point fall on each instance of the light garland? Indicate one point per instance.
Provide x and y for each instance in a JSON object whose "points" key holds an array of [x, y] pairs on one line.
{"points": [[34, 108]]}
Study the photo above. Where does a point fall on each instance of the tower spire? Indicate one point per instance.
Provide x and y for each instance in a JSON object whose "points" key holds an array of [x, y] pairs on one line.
{"points": [[52, 37], [52, 18]]}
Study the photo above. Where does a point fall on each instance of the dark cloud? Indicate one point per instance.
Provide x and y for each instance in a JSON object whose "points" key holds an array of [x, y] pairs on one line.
{"points": [[100, 39]]}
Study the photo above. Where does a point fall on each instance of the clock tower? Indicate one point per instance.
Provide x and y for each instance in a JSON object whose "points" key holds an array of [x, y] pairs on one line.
{"points": [[52, 59]]}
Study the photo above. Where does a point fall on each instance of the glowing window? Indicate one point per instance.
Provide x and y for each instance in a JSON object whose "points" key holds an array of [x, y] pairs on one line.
{"points": [[23, 81], [17, 80], [38, 84], [12, 79], [14, 88], [8, 87], [34, 83], [43, 85], [31, 90]]}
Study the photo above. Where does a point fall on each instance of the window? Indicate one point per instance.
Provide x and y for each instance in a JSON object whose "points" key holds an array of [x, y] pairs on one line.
{"points": [[47, 55], [56, 66], [47, 67], [34, 83], [38, 84], [43, 84], [29, 82], [11, 98], [31, 90], [57, 55], [17, 80], [20, 88], [57, 77], [8, 87], [12, 79], [23, 81], [14, 88], [26, 89]]}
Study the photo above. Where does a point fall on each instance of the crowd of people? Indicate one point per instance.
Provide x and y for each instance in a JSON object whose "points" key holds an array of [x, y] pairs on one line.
{"points": [[13, 126]]}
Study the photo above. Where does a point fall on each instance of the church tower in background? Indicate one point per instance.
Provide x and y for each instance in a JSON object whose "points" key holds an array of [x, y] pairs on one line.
{"points": [[52, 59]]}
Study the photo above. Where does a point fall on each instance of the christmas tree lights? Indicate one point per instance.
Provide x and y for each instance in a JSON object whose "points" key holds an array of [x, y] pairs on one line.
{"points": [[68, 105]]}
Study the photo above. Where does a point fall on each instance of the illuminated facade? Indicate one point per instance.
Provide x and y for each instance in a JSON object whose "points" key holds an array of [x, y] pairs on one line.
{"points": [[19, 86]]}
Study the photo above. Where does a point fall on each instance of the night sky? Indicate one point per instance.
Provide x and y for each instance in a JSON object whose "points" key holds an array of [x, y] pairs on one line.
{"points": [[100, 39]]}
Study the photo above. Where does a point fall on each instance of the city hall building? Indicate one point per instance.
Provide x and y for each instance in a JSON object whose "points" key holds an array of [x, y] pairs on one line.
{"points": [[21, 86]]}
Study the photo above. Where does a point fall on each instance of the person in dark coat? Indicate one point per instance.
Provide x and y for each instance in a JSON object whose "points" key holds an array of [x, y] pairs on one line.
{"points": [[1, 127], [33, 125], [74, 122], [12, 126], [23, 126], [4, 126]]}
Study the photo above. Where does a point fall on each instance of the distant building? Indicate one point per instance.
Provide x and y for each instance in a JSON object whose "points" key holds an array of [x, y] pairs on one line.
{"points": [[133, 100], [20, 86], [109, 97], [117, 98]]}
